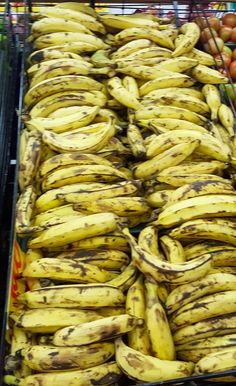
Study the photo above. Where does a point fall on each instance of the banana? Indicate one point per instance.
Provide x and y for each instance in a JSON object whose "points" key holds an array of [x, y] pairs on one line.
{"points": [[77, 7], [180, 180], [210, 284], [207, 206], [144, 54], [183, 101], [24, 210], [221, 133], [204, 74], [223, 360], [131, 47], [44, 358], [49, 199], [59, 84], [160, 198], [135, 141], [87, 20], [158, 124], [161, 271], [167, 158], [24, 137], [173, 250], [56, 38], [66, 159], [200, 247], [120, 93], [125, 279], [211, 167], [200, 188], [101, 59], [162, 344], [217, 326], [148, 73], [173, 90], [191, 33], [82, 142], [81, 118], [54, 24], [207, 307], [226, 118], [150, 112], [102, 258], [131, 85], [207, 144], [74, 230], [90, 332], [81, 173], [198, 349], [150, 369], [52, 319], [111, 311], [29, 161], [146, 32], [201, 56], [66, 270], [90, 296], [213, 99], [179, 64], [124, 22], [148, 240], [109, 372], [64, 112], [215, 229], [135, 305], [38, 57]]}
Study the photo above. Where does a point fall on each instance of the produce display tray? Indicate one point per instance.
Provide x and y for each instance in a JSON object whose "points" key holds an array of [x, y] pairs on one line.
{"points": [[7, 235]]}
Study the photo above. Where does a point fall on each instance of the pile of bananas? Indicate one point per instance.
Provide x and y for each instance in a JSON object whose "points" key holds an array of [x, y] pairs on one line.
{"points": [[124, 125]]}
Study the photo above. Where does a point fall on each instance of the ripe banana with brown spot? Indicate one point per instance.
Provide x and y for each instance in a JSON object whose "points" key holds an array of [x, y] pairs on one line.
{"points": [[159, 199], [213, 99], [226, 118], [223, 360], [191, 33], [173, 250], [120, 93], [204, 74], [38, 57], [126, 278], [157, 125]]}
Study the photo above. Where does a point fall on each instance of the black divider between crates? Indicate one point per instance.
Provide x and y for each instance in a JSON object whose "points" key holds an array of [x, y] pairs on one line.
{"points": [[182, 11]]}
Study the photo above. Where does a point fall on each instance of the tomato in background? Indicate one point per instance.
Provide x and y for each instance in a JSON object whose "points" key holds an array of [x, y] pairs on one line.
{"points": [[207, 33], [228, 51], [215, 45], [233, 35], [229, 19], [226, 58], [225, 32], [232, 70], [214, 22]]}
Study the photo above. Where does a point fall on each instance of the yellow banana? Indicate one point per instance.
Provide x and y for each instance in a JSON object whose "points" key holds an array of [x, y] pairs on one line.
{"points": [[77, 7], [135, 141], [207, 246], [148, 240], [54, 24], [24, 210], [213, 100], [201, 56], [173, 250], [223, 360], [179, 64], [173, 90], [125, 97], [191, 33], [227, 118], [207, 75], [183, 179], [125, 279], [160, 198], [158, 124], [38, 57]]}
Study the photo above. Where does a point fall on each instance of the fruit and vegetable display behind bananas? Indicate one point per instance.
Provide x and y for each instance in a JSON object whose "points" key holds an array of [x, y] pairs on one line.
{"points": [[124, 128]]}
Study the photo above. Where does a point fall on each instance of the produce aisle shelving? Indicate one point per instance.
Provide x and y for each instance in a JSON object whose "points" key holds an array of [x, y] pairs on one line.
{"points": [[180, 13]]}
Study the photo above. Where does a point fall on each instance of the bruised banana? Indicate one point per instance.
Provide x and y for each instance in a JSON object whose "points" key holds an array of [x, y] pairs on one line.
{"points": [[160, 198], [148, 240], [105, 328], [51, 319], [66, 270], [191, 33], [173, 250], [108, 371], [222, 360], [90, 296], [74, 230], [39, 56], [138, 338], [210, 284], [81, 173], [24, 210], [170, 157], [198, 248], [165, 271], [44, 358], [150, 369]]}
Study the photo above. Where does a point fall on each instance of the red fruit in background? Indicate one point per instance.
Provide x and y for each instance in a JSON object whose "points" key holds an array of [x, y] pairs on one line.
{"points": [[226, 58], [207, 33], [215, 45], [225, 32], [234, 54], [229, 19], [232, 70], [228, 51], [214, 22], [233, 35]]}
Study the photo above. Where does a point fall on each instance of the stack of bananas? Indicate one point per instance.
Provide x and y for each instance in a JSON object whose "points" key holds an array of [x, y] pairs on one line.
{"points": [[124, 125]]}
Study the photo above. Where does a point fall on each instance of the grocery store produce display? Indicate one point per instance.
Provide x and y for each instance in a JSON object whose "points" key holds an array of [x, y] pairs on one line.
{"points": [[124, 128]]}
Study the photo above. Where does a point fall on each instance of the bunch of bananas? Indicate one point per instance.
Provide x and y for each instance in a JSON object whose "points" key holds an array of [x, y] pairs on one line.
{"points": [[124, 125]]}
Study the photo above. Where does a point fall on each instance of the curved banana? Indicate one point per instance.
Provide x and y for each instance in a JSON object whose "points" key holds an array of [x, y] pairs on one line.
{"points": [[125, 22], [204, 74], [24, 210], [148, 240], [223, 360], [39, 56], [90, 296], [135, 141], [158, 124], [152, 52], [77, 7], [131, 47], [210, 284], [54, 85], [189, 91], [195, 167], [215, 229], [51, 319], [120, 93], [179, 64], [206, 307], [149, 73], [191, 33], [226, 117], [138, 338], [56, 38], [170, 157], [162, 344], [90, 332], [213, 99], [165, 271], [150, 369], [55, 24], [198, 248], [200, 188], [201, 56], [126, 278], [183, 179], [160, 198], [173, 250]]}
